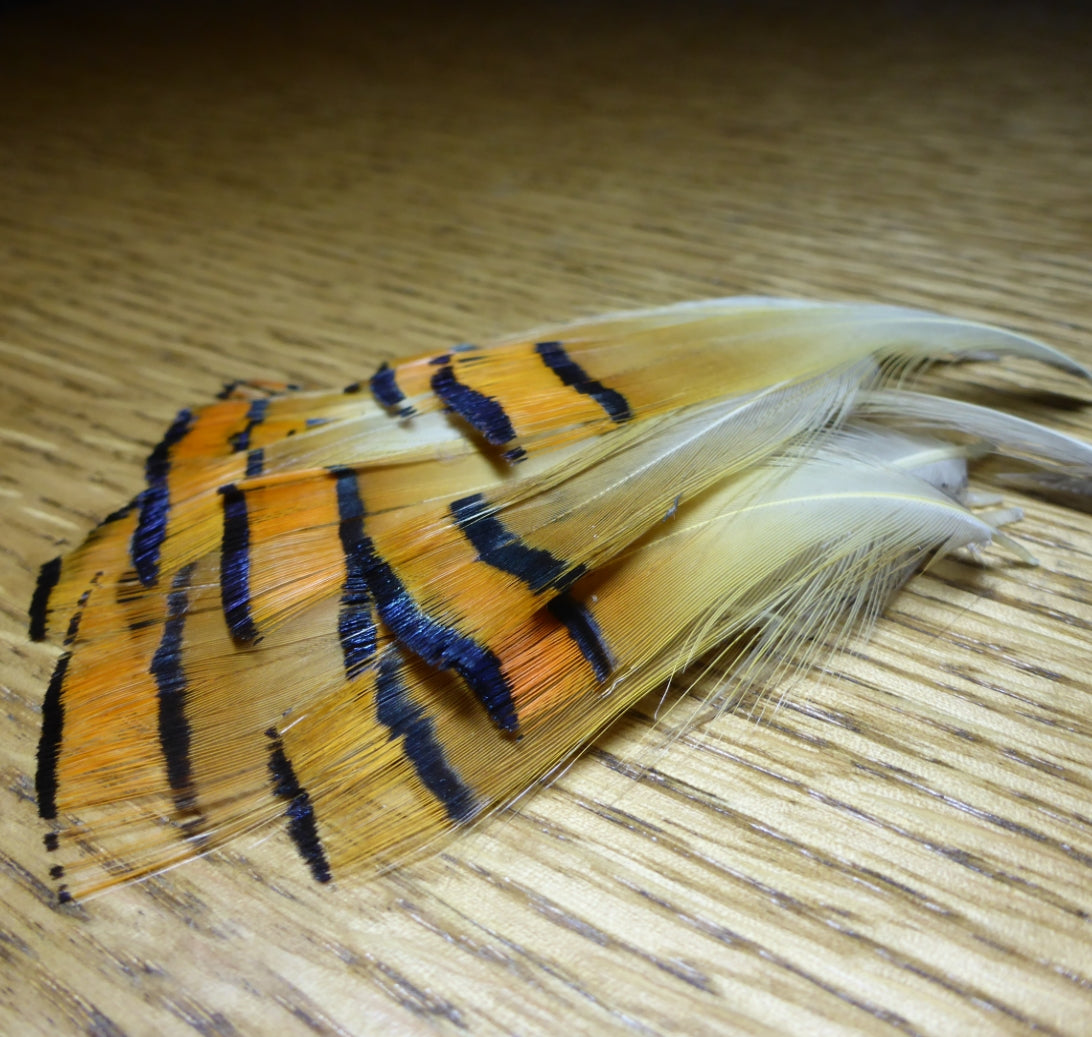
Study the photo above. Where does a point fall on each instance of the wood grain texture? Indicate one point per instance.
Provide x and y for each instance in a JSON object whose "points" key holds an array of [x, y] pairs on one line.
{"points": [[215, 191]]}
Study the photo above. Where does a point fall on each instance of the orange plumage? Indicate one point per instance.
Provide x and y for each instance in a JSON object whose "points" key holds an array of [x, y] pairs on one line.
{"points": [[378, 613]]}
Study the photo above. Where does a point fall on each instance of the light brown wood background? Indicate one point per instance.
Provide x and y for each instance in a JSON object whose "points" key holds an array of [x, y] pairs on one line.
{"points": [[195, 192]]}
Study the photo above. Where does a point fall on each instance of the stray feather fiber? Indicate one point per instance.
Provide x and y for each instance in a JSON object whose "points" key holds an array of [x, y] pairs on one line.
{"points": [[376, 614]]}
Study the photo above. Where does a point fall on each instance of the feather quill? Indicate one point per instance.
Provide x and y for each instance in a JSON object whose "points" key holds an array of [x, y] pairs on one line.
{"points": [[380, 613]]}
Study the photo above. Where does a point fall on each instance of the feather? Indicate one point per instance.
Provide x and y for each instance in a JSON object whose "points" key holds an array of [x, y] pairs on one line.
{"points": [[376, 615]]}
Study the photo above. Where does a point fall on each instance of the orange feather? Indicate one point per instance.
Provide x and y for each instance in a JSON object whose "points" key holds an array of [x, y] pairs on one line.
{"points": [[379, 613]]}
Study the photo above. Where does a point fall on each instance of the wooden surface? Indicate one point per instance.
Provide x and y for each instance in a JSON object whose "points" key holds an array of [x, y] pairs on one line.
{"points": [[217, 191]]}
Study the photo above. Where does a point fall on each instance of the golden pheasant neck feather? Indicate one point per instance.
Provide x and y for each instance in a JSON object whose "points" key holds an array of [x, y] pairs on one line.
{"points": [[376, 614]]}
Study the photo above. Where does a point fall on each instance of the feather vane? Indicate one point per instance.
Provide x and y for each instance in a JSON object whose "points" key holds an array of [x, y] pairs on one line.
{"points": [[380, 613]]}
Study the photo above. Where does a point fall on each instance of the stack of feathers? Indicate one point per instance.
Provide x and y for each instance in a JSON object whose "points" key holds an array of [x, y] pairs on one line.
{"points": [[378, 613]]}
